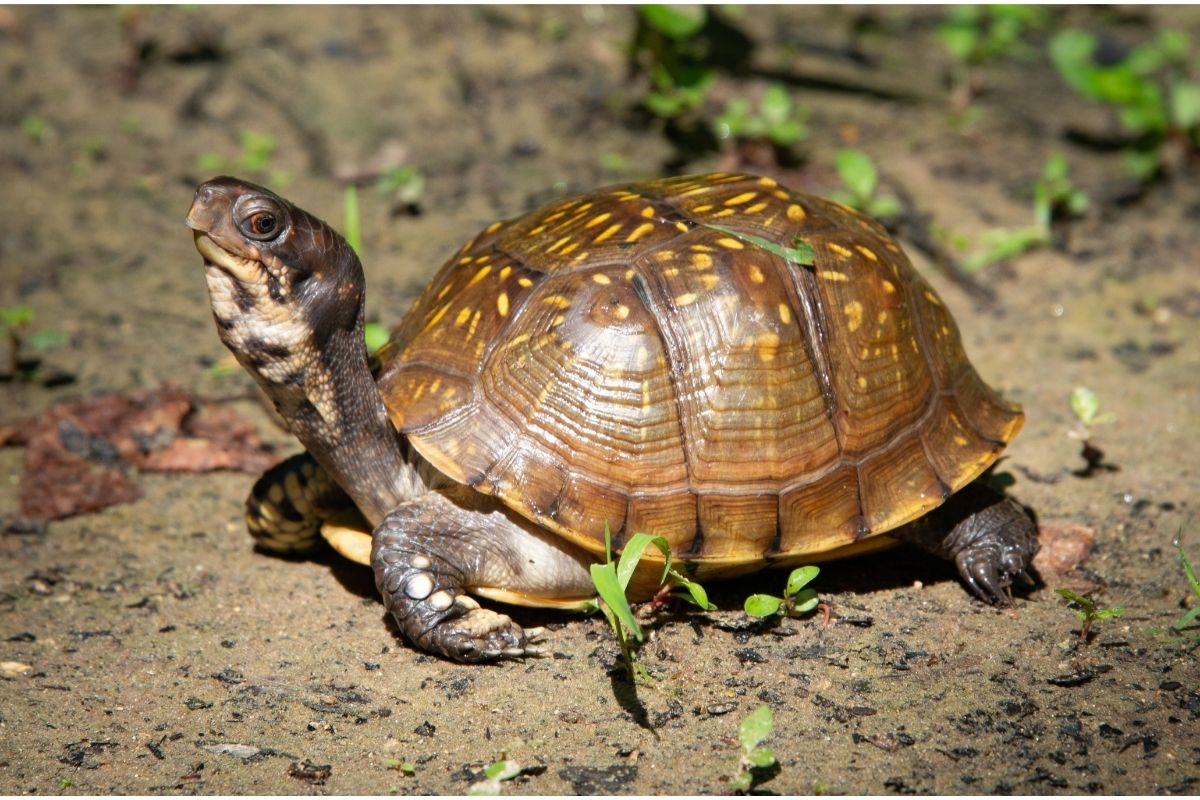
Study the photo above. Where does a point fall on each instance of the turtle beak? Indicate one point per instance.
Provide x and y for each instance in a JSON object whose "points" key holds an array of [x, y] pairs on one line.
{"points": [[211, 203]]}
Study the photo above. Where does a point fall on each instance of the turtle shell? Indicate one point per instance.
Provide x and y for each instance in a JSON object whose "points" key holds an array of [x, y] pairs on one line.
{"points": [[658, 357]]}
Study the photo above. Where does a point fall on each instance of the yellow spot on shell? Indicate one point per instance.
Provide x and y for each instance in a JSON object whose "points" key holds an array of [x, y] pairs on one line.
{"points": [[795, 213], [642, 355], [889, 287], [445, 290], [438, 316], [862, 382], [571, 248], [502, 304], [648, 212], [731, 244], [465, 260], [702, 208], [596, 220], [702, 248], [557, 244], [686, 299], [539, 229], [933, 298], [755, 274], [961, 441], [495, 226], [558, 301], [833, 275], [474, 324], [709, 281], [945, 330], [450, 392], [754, 209], [608, 233], [841, 251], [437, 384], [524, 283], [881, 317], [741, 199], [725, 212], [559, 319], [767, 344], [682, 228], [462, 317], [622, 312], [867, 252], [785, 313], [854, 314], [702, 261], [768, 182], [504, 273], [483, 273], [602, 279], [640, 231]]}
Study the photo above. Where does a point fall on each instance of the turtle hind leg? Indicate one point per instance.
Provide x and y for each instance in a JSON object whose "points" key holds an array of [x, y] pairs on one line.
{"points": [[430, 551], [289, 502], [990, 538]]}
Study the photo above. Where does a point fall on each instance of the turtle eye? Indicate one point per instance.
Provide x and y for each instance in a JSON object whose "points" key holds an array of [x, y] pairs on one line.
{"points": [[261, 223]]}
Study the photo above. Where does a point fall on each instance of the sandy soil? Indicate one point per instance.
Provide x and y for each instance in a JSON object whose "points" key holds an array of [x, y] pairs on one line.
{"points": [[149, 648]]}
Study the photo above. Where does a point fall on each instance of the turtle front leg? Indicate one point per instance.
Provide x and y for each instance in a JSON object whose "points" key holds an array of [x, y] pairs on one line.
{"points": [[289, 502], [989, 536], [428, 552]]}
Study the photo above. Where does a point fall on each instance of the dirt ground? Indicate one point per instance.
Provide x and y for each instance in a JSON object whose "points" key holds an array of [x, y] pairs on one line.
{"points": [[148, 648]]}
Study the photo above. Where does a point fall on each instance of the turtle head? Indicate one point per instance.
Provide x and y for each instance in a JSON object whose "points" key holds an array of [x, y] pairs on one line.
{"points": [[287, 295], [267, 259]]}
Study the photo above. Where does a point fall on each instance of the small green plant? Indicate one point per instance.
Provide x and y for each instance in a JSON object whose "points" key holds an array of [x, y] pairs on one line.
{"points": [[404, 184], [798, 597], [15, 321], [752, 732], [493, 775], [1088, 611], [1155, 96], [612, 580], [975, 34], [353, 228], [677, 22], [674, 58], [1054, 197], [404, 767], [255, 155], [1086, 405], [776, 120], [1187, 622], [860, 178], [36, 129]]}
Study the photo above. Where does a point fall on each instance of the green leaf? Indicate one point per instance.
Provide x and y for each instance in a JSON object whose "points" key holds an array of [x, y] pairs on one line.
{"points": [[856, 171], [741, 782], [1071, 51], [800, 577], [1186, 563], [756, 727], [885, 206], [805, 601], [692, 592], [16, 316], [776, 105], [801, 253], [959, 41], [1078, 599], [1085, 404], [762, 605], [676, 21], [604, 577], [376, 336], [1109, 613], [44, 340], [502, 770], [760, 757], [631, 554], [353, 234], [1185, 105]]}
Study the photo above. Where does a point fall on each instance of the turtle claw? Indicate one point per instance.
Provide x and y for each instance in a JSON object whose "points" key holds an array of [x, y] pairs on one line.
{"points": [[533, 634]]}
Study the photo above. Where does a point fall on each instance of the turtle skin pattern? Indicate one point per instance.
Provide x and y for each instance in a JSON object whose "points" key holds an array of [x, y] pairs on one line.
{"points": [[637, 359]]}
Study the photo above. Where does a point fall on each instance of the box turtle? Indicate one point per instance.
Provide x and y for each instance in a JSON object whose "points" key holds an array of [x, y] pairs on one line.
{"points": [[758, 376]]}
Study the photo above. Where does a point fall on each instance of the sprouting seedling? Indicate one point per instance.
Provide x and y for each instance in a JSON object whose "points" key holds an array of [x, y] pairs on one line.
{"points": [[612, 580], [405, 184], [752, 732], [777, 119], [1088, 611], [15, 321], [978, 33], [1054, 197], [798, 597], [403, 767], [493, 775], [861, 179], [1086, 405], [1188, 620]]}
